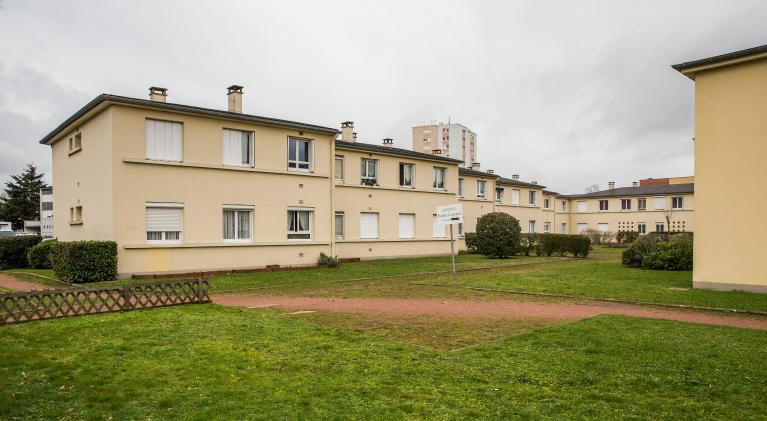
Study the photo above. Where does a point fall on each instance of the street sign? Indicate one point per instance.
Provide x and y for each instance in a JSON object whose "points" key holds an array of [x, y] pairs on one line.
{"points": [[450, 214]]}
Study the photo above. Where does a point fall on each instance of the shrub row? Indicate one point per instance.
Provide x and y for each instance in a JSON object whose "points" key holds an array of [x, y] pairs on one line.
{"points": [[40, 256], [656, 252], [555, 245], [85, 261], [626, 237], [13, 250]]}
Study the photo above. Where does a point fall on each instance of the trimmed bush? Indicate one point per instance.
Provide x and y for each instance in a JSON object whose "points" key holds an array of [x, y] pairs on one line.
{"points": [[13, 250], [331, 262], [672, 255], [40, 256], [640, 249], [555, 245], [626, 237], [470, 239], [86, 261], [498, 235]]}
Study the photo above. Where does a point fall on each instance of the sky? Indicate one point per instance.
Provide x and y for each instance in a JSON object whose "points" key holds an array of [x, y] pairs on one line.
{"points": [[565, 93]]}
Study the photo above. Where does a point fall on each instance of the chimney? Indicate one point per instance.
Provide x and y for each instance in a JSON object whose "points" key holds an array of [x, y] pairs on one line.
{"points": [[354, 137], [635, 183], [611, 185], [535, 182], [235, 98], [388, 142], [436, 152], [157, 94], [491, 171], [347, 131], [475, 166], [515, 177]]}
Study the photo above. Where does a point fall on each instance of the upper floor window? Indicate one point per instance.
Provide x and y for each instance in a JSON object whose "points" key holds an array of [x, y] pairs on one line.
{"points": [[625, 204], [604, 205], [299, 224], [677, 203], [237, 223], [660, 203], [481, 185], [460, 187], [369, 172], [515, 197], [299, 154], [75, 143], [164, 222], [563, 206], [163, 140], [76, 215], [238, 148], [406, 175], [439, 178], [546, 203], [531, 198], [339, 170], [642, 204], [583, 206], [498, 194]]}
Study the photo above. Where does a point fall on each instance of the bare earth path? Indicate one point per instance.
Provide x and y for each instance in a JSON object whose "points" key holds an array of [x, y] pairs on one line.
{"points": [[12, 283], [471, 309]]}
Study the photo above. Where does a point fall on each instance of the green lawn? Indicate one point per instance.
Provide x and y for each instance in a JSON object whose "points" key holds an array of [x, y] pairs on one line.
{"points": [[208, 362]]}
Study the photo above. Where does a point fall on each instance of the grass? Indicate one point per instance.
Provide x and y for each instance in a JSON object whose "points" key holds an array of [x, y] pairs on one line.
{"points": [[204, 362], [43, 279]]}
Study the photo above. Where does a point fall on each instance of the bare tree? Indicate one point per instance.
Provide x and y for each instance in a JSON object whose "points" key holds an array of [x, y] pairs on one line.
{"points": [[592, 188]]}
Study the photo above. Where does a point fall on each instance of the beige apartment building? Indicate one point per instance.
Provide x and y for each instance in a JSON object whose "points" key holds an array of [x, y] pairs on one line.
{"points": [[730, 148], [452, 140]]}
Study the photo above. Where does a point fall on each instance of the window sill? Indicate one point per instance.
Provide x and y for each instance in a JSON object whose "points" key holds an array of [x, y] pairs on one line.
{"points": [[75, 222], [304, 173], [74, 151]]}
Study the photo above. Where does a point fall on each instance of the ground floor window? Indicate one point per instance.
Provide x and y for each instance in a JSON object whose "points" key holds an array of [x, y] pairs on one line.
{"points": [[437, 227], [582, 228], [603, 228], [164, 222], [406, 225], [460, 228], [237, 224], [339, 225], [563, 228], [546, 227], [368, 225], [660, 227], [531, 226], [299, 224], [641, 228]]}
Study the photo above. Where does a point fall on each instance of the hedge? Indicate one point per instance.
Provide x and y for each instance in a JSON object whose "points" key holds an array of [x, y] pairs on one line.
{"points": [[86, 261], [655, 252], [470, 238], [13, 250], [40, 256], [555, 245]]}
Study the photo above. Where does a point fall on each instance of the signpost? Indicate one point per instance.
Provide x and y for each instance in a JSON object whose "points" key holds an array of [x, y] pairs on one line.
{"points": [[451, 215]]}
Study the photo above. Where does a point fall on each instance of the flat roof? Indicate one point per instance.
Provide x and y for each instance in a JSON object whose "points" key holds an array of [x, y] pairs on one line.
{"points": [[188, 109], [386, 150], [722, 59]]}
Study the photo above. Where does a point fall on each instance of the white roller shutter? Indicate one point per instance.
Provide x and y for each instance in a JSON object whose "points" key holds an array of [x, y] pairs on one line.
{"points": [[232, 146], [164, 219], [406, 225], [515, 197], [583, 206], [437, 227], [163, 140], [368, 225], [660, 203]]}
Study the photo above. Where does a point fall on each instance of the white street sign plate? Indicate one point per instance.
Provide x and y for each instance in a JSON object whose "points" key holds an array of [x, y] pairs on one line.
{"points": [[450, 214]]}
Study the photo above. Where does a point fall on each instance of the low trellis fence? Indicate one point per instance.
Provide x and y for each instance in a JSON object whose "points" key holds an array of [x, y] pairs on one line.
{"points": [[19, 307]]}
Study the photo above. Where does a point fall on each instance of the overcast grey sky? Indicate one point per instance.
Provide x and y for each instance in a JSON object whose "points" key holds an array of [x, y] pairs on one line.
{"points": [[562, 92]]}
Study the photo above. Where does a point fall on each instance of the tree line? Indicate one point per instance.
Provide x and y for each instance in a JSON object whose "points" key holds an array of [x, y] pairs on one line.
{"points": [[20, 200]]}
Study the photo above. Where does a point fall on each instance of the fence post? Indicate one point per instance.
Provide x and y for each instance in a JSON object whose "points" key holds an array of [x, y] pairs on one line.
{"points": [[126, 297]]}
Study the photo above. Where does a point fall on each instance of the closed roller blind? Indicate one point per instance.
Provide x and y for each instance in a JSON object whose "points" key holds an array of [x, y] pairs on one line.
{"points": [[406, 225], [163, 140], [163, 219], [437, 228], [660, 203], [582, 206], [368, 225], [515, 197]]}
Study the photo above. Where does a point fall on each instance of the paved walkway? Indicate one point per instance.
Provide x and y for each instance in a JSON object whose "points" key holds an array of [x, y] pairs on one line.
{"points": [[10, 282], [473, 309]]}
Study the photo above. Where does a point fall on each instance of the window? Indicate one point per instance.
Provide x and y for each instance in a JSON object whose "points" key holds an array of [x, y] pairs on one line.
{"points": [[299, 154], [163, 140], [604, 205], [460, 228], [546, 203], [582, 228], [339, 162], [237, 223], [625, 204], [563, 206], [677, 203], [406, 175], [641, 228], [660, 227], [481, 185], [515, 197], [75, 143], [531, 198], [546, 227], [460, 187], [369, 172], [299, 224], [603, 228], [583, 206], [76, 214], [437, 228], [660, 203], [531, 226], [499, 194], [406, 225], [238, 148], [339, 225], [439, 178], [164, 222], [642, 204], [563, 228], [368, 225]]}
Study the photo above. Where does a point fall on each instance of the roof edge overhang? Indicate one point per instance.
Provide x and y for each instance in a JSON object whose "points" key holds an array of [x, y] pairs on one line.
{"points": [[691, 68]]}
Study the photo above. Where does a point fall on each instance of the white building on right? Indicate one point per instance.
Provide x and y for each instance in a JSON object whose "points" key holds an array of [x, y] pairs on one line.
{"points": [[46, 212], [451, 140]]}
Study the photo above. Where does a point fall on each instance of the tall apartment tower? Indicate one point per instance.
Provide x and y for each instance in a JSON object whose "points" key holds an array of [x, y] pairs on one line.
{"points": [[451, 140]]}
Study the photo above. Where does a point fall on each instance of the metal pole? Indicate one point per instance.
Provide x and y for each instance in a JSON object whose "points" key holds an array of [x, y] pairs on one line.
{"points": [[452, 249]]}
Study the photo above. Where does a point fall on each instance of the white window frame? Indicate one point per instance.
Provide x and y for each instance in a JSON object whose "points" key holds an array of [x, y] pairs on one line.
{"points": [[499, 194], [641, 228], [377, 226], [237, 209], [674, 200], [546, 227], [640, 202], [400, 169], [460, 229], [532, 198], [603, 227], [563, 206], [531, 226], [563, 228], [515, 196], [296, 162], [365, 178], [546, 203], [606, 204], [626, 205], [300, 232], [339, 158], [251, 152], [583, 206], [164, 240], [481, 188], [412, 227], [582, 227], [662, 225], [442, 171], [662, 200], [460, 187], [434, 230], [335, 225], [150, 153]]}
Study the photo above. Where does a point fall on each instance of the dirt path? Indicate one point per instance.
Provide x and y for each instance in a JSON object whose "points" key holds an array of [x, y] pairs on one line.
{"points": [[471, 309], [10, 282]]}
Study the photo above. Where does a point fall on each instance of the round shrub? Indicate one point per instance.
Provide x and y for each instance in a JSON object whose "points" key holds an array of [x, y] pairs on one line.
{"points": [[498, 235], [470, 239], [672, 255], [640, 249], [40, 256]]}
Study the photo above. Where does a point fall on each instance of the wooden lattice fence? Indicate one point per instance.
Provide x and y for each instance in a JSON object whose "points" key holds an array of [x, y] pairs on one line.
{"points": [[19, 307]]}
